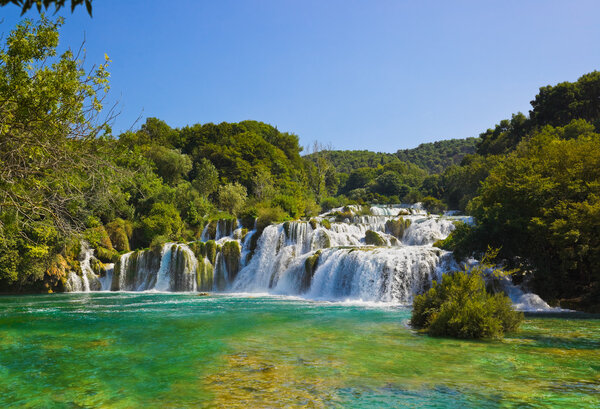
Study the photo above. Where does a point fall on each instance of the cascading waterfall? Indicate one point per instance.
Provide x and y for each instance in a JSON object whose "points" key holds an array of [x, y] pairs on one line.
{"points": [[88, 280], [381, 253]]}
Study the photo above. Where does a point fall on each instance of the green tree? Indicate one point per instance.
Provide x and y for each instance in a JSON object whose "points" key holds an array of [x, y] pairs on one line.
{"points": [[540, 205], [45, 4], [262, 182], [460, 306], [164, 221], [52, 171], [171, 165], [207, 177], [232, 197]]}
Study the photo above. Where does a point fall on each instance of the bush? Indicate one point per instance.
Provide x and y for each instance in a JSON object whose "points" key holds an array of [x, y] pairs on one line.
{"points": [[293, 206], [107, 255], [459, 241], [268, 216], [98, 237], [433, 205], [232, 197], [248, 217], [163, 220], [459, 306], [330, 203]]}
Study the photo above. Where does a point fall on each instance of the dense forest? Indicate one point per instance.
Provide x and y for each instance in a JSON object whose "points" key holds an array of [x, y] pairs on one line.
{"points": [[435, 157], [532, 182]]}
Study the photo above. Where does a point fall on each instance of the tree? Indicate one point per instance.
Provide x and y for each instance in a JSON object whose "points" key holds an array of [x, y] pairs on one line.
{"points": [[171, 165], [390, 183], [232, 197], [359, 178], [39, 4], [263, 184], [164, 221], [558, 105], [207, 177], [541, 206], [460, 306], [51, 146], [318, 170]]}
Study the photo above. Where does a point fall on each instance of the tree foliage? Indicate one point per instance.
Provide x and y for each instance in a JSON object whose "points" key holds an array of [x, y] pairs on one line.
{"points": [[45, 4], [460, 306], [541, 203], [53, 172], [435, 157]]}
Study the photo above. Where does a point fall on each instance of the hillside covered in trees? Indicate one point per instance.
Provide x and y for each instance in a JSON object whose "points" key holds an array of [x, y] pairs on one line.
{"points": [[435, 157], [532, 182]]}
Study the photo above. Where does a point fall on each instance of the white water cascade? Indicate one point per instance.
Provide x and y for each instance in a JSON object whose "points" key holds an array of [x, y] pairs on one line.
{"points": [[88, 280], [376, 254]]}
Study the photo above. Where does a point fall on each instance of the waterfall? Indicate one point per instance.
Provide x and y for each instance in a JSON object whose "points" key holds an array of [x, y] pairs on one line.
{"points": [[377, 253], [106, 280]]}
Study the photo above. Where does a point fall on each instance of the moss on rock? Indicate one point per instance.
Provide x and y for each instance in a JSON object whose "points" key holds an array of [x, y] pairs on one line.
{"points": [[321, 240], [107, 255], [120, 232], [397, 227], [310, 266], [231, 253], [211, 251], [373, 238], [204, 275]]}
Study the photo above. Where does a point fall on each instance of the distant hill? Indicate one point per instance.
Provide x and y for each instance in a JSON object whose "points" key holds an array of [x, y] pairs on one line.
{"points": [[435, 157], [347, 161]]}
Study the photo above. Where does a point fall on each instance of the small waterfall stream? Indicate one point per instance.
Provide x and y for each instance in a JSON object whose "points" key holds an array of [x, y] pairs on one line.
{"points": [[381, 253]]}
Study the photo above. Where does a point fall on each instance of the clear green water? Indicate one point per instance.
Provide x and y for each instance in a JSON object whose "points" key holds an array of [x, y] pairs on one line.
{"points": [[129, 350]]}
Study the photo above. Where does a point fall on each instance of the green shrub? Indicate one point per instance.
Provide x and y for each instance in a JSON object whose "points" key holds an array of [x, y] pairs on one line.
{"points": [[311, 208], [163, 220], [365, 210], [433, 205], [248, 217], [341, 216], [459, 241], [268, 216], [330, 203], [232, 197], [158, 242], [459, 306], [291, 205]]}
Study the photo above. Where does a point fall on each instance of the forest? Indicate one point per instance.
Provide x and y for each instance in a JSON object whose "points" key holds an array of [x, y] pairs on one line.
{"points": [[532, 182]]}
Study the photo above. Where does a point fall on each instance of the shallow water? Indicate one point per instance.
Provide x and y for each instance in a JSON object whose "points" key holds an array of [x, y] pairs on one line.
{"points": [[152, 350]]}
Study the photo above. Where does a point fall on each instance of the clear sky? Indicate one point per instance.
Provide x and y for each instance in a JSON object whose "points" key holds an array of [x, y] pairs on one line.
{"points": [[377, 75]]}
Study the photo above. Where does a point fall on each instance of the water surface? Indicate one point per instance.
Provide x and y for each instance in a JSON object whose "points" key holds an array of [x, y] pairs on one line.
{"points": [[152, 350]]}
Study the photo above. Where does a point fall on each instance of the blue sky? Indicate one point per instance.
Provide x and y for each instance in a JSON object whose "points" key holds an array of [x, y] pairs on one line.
{"points": [[377, 75]]}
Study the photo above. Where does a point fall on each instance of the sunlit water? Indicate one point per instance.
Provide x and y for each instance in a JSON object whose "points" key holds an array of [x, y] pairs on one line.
{"points": [[134, 350]]}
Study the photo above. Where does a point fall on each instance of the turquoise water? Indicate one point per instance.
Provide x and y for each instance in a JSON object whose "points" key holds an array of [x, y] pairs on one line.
{"points": [[131, 350]]}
